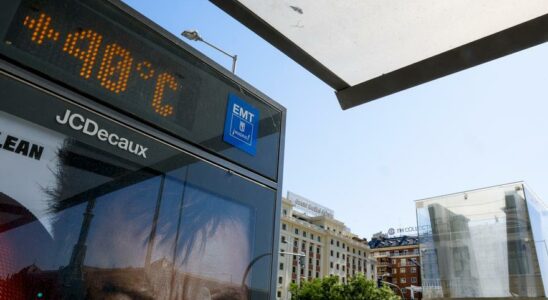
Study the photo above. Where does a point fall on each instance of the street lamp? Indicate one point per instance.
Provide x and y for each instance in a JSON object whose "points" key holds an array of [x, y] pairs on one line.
{"points": [[391, 284], [193, 35]]}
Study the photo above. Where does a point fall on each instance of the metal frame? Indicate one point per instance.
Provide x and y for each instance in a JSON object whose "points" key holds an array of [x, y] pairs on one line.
{"points": [[151, 131], [519, 37]]}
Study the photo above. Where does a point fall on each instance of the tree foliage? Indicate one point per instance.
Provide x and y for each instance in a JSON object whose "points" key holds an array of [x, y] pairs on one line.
{"points": [[329, 288]]}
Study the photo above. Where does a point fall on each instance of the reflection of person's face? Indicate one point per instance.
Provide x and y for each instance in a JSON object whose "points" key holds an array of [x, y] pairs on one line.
{"points": [[213, 269], [218, 269]]}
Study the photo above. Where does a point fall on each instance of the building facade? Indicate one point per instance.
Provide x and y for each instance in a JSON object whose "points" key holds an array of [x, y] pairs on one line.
{"points": [[488, 243], [328, 246], [398, 262]]}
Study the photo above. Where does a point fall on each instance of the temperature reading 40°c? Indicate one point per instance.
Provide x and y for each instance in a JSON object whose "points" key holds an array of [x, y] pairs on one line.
{"points": [[105, 62]]}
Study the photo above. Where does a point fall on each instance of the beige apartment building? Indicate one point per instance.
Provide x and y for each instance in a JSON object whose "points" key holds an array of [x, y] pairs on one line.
{"points": [[328, 246]]}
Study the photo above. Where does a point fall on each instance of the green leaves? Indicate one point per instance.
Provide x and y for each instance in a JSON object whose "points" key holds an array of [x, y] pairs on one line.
{"points": [[329, 288]]}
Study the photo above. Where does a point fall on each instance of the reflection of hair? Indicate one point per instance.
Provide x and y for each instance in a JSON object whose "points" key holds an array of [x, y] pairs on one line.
{"points": [[203, 214]]}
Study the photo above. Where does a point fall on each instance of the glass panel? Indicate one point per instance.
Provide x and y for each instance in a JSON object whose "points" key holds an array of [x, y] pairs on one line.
{"points": [[79, 220], [478, 244], [538, 213]]}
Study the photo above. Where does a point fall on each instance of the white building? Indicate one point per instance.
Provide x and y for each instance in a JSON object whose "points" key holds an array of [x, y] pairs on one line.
{"points": [[328, 246]]}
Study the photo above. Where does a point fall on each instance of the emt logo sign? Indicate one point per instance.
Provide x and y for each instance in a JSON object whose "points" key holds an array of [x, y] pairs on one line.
{"points": [[241, 125]]}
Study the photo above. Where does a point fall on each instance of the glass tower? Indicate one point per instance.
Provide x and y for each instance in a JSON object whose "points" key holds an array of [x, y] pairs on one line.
{"points": [[487, 243]]}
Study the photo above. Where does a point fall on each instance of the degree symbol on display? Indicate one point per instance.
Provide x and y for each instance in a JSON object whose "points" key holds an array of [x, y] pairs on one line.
{"points": [[145, 70]]}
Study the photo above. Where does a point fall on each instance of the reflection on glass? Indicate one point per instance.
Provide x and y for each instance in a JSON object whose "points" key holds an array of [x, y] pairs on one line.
{"points": [[101, 227], [478, 244]]}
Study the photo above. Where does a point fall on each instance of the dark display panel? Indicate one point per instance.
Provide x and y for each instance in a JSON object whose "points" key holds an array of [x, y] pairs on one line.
{"points": [[86, 219], [95, 48]]}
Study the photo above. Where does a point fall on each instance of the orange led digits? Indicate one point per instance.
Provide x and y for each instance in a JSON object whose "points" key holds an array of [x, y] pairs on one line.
{"points": [[146, 66], [41, 28], [163, 79], [109, 67], [88, 56]]}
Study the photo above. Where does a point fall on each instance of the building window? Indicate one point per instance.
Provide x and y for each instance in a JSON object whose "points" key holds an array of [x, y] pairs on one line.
{"points": [[413, 270], [331, 241], [331, 253], [343, 268], [331, 264], [282, 253], [317, 275], [344, 246], [402, 270], [394, 271], [309, 273], [296, 230], [393, 260], [304, 233], [318, 250], [402, 280], [405, 252], [343, 256], [337, 254], [403, 262], [360, 252], [295, 243], [413, 279], [284, 226], [317, 262], [281, 266], [294, 270], [279, 294], [337, 266], [280, 279], [283, 239], [319, 239], [312, 236], [285, 212], [353, 250], [338, 245], [397, 253]]}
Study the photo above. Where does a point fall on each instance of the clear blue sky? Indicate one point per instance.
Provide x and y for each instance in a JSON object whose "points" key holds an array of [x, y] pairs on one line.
{"points": [[480, 127]]}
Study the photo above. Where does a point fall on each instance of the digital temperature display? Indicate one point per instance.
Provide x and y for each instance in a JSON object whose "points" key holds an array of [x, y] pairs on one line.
{"points": [[110, 54], [104, 59]]}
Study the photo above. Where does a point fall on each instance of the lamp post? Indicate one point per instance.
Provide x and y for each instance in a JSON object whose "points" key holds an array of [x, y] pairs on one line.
{"points": [[391, 284], [193, 35]]}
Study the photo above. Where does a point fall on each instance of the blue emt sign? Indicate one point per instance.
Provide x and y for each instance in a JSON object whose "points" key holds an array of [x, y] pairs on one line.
{"points": [[241, 124]]}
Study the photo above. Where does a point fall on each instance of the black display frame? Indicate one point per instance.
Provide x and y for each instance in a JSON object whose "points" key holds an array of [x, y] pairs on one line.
{"points": [[213, 91]]}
